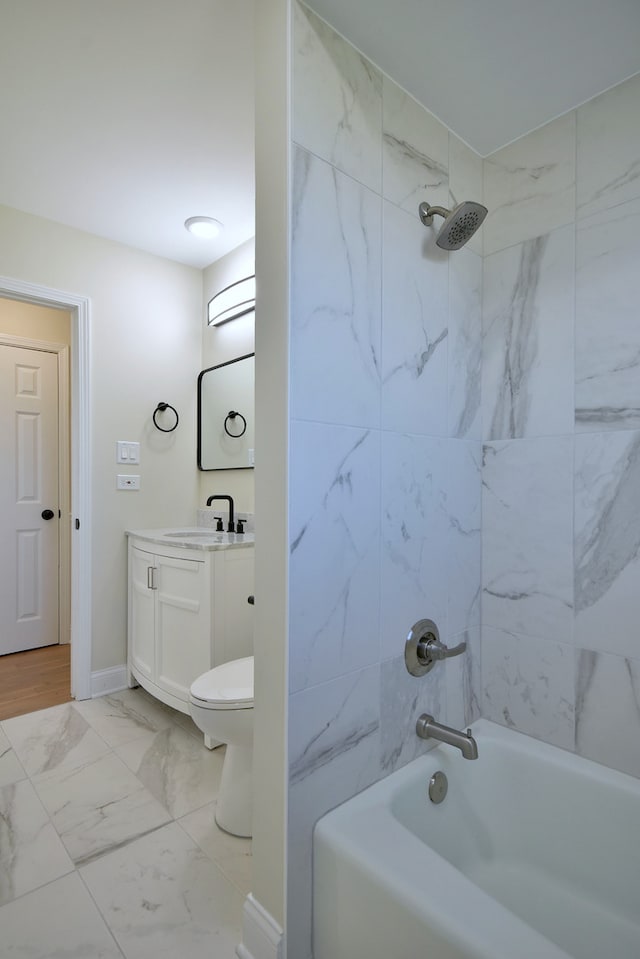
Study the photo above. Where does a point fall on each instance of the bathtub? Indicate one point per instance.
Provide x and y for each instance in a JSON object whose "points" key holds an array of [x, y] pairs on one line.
{"points": [[534, 854]]}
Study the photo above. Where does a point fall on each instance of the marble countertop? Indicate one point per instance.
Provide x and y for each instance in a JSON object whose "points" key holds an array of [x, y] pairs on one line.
{"points": [[193, 537]]}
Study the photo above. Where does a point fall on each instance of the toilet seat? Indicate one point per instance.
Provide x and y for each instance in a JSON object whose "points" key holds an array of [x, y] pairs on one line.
{"points": [[228, 686]]}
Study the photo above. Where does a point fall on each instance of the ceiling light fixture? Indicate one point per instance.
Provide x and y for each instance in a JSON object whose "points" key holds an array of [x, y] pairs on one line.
{"points": [[204, 227]]}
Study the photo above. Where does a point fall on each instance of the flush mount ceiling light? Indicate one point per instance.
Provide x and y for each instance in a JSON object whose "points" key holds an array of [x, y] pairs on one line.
{"points": [[204, 227], [234, 301]]}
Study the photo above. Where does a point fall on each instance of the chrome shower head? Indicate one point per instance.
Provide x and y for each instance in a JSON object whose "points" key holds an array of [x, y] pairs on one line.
{"points": [[459, 224]]}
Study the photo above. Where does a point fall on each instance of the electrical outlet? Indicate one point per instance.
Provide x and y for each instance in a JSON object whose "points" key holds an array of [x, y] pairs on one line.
{"points": [[127, 482]]}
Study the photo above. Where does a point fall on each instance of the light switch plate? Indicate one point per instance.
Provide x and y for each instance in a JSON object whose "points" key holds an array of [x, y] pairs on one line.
{"points": [[127, 482], [127, 452]]}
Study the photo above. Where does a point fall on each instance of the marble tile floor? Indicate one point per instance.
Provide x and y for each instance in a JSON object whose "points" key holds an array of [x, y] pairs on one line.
{"points": [[108, 843]]}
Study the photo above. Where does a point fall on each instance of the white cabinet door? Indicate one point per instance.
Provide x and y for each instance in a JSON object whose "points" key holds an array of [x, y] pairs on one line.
{"points": [[183, 644], [143, 641], [233, 616]]}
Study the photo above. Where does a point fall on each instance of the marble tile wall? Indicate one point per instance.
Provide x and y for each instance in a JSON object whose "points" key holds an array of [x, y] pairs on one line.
{"points": [[385, 472], [561, 416]]}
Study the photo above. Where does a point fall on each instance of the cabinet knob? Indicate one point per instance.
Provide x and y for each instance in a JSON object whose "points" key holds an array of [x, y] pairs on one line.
{"points": [[251, 600]]}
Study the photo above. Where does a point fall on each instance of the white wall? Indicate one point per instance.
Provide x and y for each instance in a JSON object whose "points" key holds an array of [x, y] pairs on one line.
{"points": [[273, 59], [146, 340], [385, 483], [219, 345], [561, 401]]}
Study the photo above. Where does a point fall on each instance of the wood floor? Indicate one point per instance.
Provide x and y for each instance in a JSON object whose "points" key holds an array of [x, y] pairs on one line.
{"points": [[34, 680]]}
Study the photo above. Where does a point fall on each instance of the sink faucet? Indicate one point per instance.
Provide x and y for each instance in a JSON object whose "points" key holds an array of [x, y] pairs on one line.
{"points": [[428, 728], [231, 528]]}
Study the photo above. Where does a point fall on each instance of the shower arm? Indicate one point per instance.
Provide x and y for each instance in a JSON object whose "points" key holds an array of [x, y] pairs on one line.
{"points": [[427, 212]]}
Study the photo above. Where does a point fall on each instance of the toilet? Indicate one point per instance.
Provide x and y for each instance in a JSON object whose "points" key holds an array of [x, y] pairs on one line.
{"points": [[221, 705]]}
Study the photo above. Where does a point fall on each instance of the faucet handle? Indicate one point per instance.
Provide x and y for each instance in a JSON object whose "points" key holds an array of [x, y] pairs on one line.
{"points": [[423, 648], [433, 649]]}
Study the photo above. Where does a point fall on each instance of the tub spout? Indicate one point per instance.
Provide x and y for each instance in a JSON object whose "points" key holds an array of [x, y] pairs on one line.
{"points": [[428, 728]]}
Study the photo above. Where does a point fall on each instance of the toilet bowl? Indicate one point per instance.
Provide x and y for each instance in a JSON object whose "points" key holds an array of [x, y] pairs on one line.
{"points": [[221, 705]]}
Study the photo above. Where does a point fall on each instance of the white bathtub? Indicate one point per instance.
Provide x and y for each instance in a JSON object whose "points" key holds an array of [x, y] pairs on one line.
{"points": [[534, 854]]}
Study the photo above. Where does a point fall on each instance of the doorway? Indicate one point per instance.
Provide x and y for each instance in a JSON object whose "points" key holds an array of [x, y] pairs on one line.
{"points": [[75, 525]]}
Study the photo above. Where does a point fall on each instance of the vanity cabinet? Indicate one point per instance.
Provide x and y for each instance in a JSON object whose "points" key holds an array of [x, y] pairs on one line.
{"points": [[188, 612]]}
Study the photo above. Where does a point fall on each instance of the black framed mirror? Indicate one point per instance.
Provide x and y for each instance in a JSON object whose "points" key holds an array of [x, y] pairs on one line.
{"points": [[226, 415]]}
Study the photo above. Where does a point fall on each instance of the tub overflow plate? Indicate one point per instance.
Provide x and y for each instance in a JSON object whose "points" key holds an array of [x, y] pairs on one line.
{"points": [[438, 786]]}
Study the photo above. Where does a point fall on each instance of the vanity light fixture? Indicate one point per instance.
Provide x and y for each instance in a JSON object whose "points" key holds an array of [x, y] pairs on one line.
{"points": [[204, 227], [234, 301]]}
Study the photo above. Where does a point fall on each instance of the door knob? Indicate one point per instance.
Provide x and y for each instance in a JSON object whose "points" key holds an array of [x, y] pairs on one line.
{"points": [[47, 514]]}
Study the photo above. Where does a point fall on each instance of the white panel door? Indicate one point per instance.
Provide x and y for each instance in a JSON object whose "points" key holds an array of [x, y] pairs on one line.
{"points": [[28, 486]]}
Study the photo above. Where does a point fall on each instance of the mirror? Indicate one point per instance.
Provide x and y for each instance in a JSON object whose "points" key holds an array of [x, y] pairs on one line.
{"points": [[226, 415]]}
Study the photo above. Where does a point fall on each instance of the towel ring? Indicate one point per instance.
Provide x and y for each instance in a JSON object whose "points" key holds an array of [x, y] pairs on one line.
{"points": [[231, 415], [160, 408]]}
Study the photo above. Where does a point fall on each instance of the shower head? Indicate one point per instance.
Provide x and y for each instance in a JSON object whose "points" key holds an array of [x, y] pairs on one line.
{"points": [[459, 224]]}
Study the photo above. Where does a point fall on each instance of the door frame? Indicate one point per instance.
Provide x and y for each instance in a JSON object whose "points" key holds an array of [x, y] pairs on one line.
{"points": [[64, 479], [80, 492]]}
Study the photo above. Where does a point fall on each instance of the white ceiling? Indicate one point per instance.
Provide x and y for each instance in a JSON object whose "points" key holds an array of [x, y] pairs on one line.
{"points": [[125, 117], [492, 70]]}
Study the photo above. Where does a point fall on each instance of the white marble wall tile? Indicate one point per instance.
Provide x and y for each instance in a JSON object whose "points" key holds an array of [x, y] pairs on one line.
{"points": [[31, 853], [607, 328], [464, 549], [465, 345], [527, 555], [334, 753], [608, 710], [527, 363], [403, 698], [529, 685], [59, 921], [336, 726], [609, 149], [335, 551], [162, 897], [464, 680], [415, 537], [231, 854], [607, 542], [98, 806], [465, 182], [415, 152], [335, 296], [337, 100], [414, 328], [529, 186], [11, 769], [176, 768], [55, 738]]}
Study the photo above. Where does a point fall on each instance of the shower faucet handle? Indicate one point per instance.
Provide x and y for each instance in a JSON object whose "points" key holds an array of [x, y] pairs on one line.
{"points": [[434, 649], [423, 648]]}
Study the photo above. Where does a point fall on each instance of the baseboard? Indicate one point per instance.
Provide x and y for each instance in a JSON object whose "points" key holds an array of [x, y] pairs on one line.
{"points": [[105, 681], [262, 937]]}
